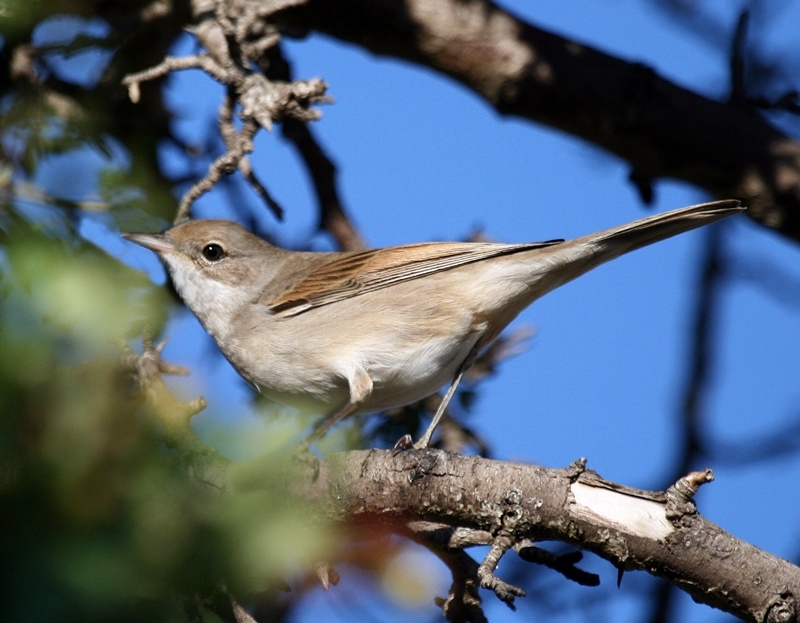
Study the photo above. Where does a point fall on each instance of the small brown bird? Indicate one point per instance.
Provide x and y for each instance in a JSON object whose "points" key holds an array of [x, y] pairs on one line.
{"points": [[359, 332]]}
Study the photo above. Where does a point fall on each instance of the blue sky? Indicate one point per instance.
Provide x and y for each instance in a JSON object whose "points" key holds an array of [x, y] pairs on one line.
{"points": [[421, 158]]}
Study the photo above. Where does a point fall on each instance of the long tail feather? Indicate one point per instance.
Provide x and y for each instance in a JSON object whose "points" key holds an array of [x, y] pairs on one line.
{"points": [[566, 261]]}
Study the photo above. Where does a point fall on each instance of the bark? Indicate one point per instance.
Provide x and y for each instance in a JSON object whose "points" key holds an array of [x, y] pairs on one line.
{"points": [[660, 533]]}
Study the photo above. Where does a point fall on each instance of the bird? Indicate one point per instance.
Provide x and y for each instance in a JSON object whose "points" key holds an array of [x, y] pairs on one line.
{"points": [[342, 333]]}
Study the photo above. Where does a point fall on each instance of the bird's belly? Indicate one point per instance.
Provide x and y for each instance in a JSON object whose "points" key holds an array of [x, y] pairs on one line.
{"points": [[411, 372]]}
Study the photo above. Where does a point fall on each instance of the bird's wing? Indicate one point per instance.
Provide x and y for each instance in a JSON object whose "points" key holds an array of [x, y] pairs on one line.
{"points": [[358, 273]]}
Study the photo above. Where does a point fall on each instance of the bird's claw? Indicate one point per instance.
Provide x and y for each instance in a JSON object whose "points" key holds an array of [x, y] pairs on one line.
{"points": [[404, 443]]}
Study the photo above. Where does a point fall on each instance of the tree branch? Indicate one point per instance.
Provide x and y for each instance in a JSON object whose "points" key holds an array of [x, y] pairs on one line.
{"points": [[661, 129], [657, 532]]}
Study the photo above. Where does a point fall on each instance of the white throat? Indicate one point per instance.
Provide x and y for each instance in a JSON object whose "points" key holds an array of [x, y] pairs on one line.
{"points": [[213, 302]]}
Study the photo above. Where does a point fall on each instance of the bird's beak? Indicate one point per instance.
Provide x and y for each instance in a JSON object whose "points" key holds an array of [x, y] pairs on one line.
{"points": [[154, 242]]}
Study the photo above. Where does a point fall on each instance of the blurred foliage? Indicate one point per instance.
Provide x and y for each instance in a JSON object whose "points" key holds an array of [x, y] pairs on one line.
{"points": [[99, 519], [20, 16], [61, 94]]}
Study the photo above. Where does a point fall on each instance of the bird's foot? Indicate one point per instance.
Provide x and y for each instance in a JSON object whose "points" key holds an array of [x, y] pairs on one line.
{"points": [[404, 443]]}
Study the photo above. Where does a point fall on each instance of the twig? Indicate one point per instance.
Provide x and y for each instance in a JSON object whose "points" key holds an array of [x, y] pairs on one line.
{"points": [[333, 217], [147, 368], [229, 57]]}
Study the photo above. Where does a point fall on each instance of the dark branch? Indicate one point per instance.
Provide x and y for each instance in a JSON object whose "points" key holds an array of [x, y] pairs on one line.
{"points": [[662, 130]]}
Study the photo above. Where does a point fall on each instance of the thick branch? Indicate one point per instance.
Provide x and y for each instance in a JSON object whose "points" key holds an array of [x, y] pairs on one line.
{"points": [[634, 530], [661, 129]]}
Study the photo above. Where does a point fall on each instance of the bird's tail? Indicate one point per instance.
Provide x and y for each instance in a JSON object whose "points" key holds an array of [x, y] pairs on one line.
{"points": [[658, 227], [581, 255]]}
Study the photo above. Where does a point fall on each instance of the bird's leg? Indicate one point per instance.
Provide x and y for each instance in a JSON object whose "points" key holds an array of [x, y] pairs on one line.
{"points": [[465, 365], [360, 390]]}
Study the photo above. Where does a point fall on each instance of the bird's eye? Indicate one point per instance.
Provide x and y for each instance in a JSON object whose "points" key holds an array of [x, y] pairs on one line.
{"points": [[213, 252]]}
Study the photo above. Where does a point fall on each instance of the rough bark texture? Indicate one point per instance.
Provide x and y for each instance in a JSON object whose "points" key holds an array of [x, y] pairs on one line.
{"points": [[714, 567]]}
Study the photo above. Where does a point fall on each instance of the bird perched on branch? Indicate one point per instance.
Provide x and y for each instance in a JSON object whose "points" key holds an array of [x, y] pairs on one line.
{"points": [[359, 332]]}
